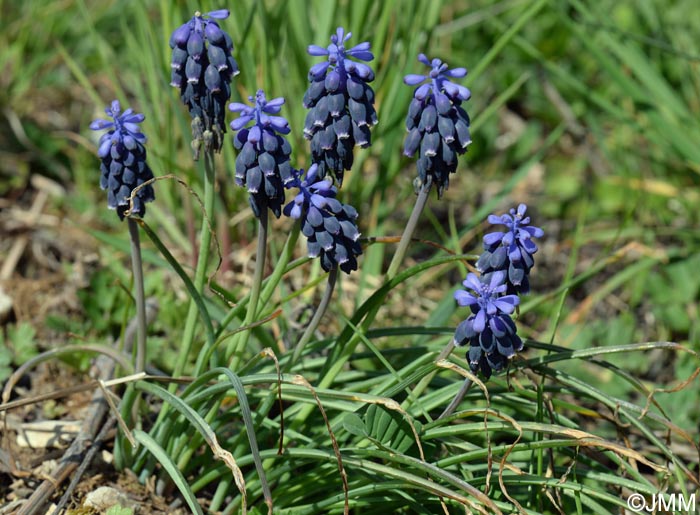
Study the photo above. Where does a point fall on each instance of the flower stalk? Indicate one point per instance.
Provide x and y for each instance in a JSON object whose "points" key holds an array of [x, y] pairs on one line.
{"points": [[139, 294], [408, 231], [200, 273], [242, 339], [438, 130], [316, 319], [124, 170], [263, 168]]}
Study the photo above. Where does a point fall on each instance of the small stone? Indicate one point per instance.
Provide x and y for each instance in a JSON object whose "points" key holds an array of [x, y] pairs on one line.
{"points": [[5, 305], [105, 497]]}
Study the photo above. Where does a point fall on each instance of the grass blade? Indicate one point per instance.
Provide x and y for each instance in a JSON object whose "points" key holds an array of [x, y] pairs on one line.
{"points": [[162, 457]]}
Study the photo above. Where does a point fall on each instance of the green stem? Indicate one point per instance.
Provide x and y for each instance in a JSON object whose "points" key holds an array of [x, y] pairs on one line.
{"points": [[139, 294], [270, 283], [349, 348], [242, 340], [200, 273], [450, 409], [220, 494], [409, 230], [423, 383], [316, 319], [390, 274]]}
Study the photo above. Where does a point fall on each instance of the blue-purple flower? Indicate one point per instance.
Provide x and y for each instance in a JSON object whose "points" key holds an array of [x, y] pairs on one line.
{"points": [[329, 225], [123, 155], [512, 250], [262, 164], [202, 69], [341, 104], [438, 126], [489, 330]]}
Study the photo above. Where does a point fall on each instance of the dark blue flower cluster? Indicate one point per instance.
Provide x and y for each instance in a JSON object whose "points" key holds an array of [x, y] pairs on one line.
{"points": [[504, 265], [438, 126], [489, 330], [202, 68], [511, 251], [340, 103], [262, 164], [328, 224], [123, 156]]}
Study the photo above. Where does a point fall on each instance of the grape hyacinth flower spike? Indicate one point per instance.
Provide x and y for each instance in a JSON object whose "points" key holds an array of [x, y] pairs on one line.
{"points": [[124, 174], [489, 331], [341, 104], [262, 164], [329, 225], [123, 155], [511, 251], [438, 126], [202, 69]]}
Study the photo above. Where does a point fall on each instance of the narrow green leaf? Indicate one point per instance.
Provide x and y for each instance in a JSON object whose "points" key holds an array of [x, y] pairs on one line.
{"points": [[203, 312], [202, 427], [235, 381], [159, 453]]}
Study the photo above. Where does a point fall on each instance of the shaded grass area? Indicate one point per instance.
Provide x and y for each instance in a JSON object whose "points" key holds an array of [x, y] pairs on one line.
{"points": [[588, 113]]}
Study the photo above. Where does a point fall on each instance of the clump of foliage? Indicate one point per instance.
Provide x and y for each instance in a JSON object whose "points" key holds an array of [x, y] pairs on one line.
{"points": [[355, 407]]}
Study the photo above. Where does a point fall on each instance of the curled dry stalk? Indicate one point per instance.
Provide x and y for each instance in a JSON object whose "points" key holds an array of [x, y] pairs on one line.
{"points": [[301, 381]]}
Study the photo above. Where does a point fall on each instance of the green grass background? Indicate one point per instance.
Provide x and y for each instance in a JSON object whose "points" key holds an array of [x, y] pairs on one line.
{"points": [[587, 111]]}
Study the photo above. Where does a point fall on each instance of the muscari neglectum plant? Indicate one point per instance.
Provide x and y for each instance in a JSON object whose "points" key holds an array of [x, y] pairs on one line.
{"points": [[263, 167], [202, 68], [330, 228], [489, 332], [341, 112], [438, 131], [126, 176], [505, 266]]}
